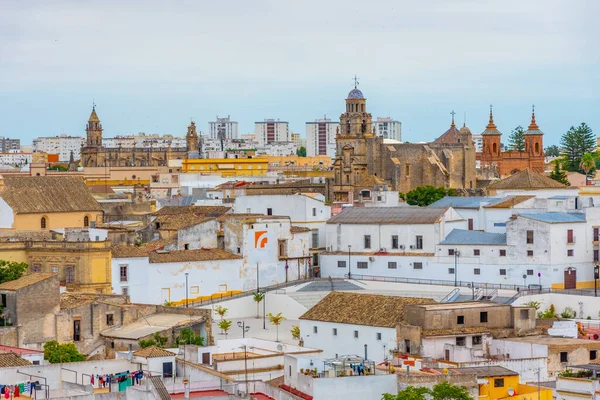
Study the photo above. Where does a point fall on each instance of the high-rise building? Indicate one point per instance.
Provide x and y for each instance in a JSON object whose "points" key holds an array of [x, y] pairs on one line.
{"points": [[7, 145], [387, 128], [225, 126], [62, 145], [478, 141], [144, 141], [320, 137], [271, 130]]}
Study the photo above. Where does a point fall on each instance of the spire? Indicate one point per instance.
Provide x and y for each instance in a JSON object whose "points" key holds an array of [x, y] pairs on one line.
{"points": [[533, 126], [491, 124], [93, 115], [452, 113]]}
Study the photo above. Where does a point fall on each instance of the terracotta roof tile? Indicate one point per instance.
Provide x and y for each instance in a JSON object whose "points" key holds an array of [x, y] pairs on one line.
{"points": [[192, 255], [362, 309], [48, 194], [8, 360], [25, 280], [510, 202], [153, 351], [389, 215], [176, 222], [299, 229], [128, 251], [452, 332], [526, 179], [207, 211]]}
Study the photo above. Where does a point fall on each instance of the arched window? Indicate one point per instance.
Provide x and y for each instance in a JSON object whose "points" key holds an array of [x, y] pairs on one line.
{"points": [[43, 222], [494, 148], [86, 221], [537, 148]]}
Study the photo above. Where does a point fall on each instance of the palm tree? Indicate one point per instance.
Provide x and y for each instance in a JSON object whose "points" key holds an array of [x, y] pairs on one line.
{"points": [[276, 320], [587, 163], [221, 311], [258, 297]]}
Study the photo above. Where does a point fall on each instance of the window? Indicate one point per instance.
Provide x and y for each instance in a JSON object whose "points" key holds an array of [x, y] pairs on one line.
{"points": [[110, 319], [570, 238], [282, 248], [315, 239], [86, 221], [356, 334], [269, 211], [125, 291], [186, 246], [529, 253], [123, 273], [476, 271], [524, 314], [451, 271], [450, 252], [362, 265], [476, 252], [378, 336], [36, 268], [36, 362], [367, 241], [470, 224], [530, 272], [499, 382], [570, 253], [596, 234], [460, 319], [593, 354], [499, 224], [483, 316], [314, 212], [529, 237], [407, 170], [461, 341], [418, 265], [76, 330], [248, 211], [596, 255], [564, 357], [392, 265], [503, 272], [334, 331], [54, 269], [43, 223], [502, 253], [69, 274], [394, 241], [419, 242], [315, 330], [341, 264], [477, 340]]}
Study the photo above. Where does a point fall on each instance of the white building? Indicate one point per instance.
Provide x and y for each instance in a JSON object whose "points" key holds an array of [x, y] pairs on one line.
{"points": [[321, 137], [8, 145], [388, 128], [478, 141], [225, 125], [271, 130], [277, 149], [62, 145], [15, 158], [144, 141]]}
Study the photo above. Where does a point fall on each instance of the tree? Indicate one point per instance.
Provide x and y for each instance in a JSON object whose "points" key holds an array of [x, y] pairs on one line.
{"points": [[516, 140], [587, 163], [276, 320], [410, 393], [146, 343], [11, 270], [225, 325], [161, 341], [559, 175], [425, 195], [221, 311], [301, 152], [258, 297], [61, 353], [575, 143], [552, 151], [187, 336], [295, 331], [441, 391]]}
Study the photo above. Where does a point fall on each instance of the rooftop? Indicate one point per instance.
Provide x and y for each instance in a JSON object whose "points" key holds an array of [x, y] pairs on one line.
{"points": [[462, 236], [192, 255], [299, 229], [175, 222], [149, 325], [205, 211], [48, 194], [18, 350], [459, 305], [464, 202], [526, 179], [361, 309], [556, 217], [8, 360], [389, 215], [152, 352], [555, 341], [25, 281], [71, 300], [509, 202], [454, 332], [481, 372], [128, 251]]}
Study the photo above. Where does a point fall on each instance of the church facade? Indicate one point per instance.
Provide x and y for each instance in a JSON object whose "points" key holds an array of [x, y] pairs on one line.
{"points": [[94, 154], [365, 162]]}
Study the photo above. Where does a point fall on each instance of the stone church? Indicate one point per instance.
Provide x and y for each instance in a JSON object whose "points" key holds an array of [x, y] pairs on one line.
{"points": [[94, 154], [365, 163]]}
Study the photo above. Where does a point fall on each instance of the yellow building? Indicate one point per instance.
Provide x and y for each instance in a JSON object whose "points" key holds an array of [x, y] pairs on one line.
{"points": [[227, 166], [498, 383], [47, 202]]}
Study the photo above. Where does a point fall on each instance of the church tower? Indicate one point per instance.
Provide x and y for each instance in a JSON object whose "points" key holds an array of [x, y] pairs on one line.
{"points": [[93, 130], [356, 121], [491, 143], [534, 145], [191, 138]]}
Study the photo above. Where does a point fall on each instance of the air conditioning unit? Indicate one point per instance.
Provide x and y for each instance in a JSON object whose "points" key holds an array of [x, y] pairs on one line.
{"points": [[412, 246], [371, 258], [382, 250], [401, 247]]}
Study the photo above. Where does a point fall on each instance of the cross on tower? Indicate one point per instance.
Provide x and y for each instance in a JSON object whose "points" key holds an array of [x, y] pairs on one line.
{"points": [[355, 81], [533, 108], [453, 114]]}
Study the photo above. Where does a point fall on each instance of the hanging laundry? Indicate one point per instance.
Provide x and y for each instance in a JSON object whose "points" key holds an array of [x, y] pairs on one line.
{"points": [[17, 392]]}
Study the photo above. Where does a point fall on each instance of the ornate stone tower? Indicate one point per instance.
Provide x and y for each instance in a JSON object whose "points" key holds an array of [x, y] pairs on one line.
{"points": [[93, 130], [191, 138], [356, 121], [534, 145], [491, 143]]}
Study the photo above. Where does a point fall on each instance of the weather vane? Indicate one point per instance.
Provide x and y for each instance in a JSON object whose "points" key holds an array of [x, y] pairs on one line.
{"points": [[355, 81]]}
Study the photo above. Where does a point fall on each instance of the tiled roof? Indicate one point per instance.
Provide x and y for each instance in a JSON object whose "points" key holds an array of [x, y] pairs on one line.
{"points": [[370, 181], [299, 229], [153, 351], [71, 300], [192, 255], [8, 360], [450, 136], [129, 251], [482, 372], [464, 202], [18, 350], [25, 280], [462, 236], [179, 221], [361, 309], [556, 217], [48, 194], [389, 215], [452, 332], [526, 179], [510, 202], [205, 211]]}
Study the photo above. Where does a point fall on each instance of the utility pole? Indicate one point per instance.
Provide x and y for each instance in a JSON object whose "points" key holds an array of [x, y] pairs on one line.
{"points": [[349, 272], [456, 254], [186, 290]]}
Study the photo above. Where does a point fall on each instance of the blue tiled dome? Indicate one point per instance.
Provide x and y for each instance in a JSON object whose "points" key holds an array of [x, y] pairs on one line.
{"points": [[355, 94]]}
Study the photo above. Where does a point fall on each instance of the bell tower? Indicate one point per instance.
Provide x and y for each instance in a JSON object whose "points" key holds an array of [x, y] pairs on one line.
{"points": [[93, 130], [534, 145], [356, 121], [491, 142], [191, 138]]}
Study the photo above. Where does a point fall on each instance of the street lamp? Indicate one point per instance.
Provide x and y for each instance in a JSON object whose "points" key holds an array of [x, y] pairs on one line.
{"points": [[349, 273], [186, 289], [245, 328], [456, 254]]}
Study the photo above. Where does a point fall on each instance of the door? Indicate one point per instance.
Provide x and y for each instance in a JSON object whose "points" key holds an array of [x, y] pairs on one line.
{"points": [[76, 330], [447, 355], [570, 278], [206, 358]]}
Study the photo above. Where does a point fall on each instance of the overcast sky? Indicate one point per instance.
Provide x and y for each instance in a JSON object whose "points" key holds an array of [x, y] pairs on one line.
{"points": [[150, 65]]}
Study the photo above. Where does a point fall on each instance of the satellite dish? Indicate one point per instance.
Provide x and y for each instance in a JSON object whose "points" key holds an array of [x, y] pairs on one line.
{"points": [[511, 391], [279, 347]]}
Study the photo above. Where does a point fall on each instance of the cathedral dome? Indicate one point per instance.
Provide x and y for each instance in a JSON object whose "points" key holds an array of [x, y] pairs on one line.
{"points": [[464, 129], [355, 94]]}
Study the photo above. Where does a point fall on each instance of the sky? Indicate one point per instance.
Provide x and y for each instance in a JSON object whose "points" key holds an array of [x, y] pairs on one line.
{"points": [[150, 66]]}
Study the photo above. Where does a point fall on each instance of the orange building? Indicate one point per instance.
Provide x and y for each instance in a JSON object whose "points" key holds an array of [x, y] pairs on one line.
{"points": [[509, 162]]}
